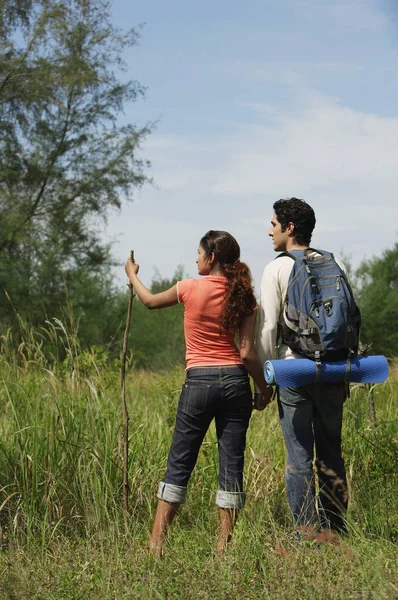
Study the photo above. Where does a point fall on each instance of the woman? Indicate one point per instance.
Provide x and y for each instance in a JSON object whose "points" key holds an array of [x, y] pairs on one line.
{"points": [[217, 383]]}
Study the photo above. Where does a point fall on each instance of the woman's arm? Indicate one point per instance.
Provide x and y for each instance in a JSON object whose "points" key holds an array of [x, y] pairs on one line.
{"points": [[250, 359], [161, 300]]}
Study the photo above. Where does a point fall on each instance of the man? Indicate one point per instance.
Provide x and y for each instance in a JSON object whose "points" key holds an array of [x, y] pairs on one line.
{"points": [[310, 416]]}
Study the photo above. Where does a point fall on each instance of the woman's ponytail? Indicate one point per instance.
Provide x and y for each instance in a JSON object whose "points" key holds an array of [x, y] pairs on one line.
{"points": [[239, 296]]}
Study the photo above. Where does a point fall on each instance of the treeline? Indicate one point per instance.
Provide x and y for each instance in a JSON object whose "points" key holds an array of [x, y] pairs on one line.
{"points": [[93, 312], [376, 282], [90, 320]]}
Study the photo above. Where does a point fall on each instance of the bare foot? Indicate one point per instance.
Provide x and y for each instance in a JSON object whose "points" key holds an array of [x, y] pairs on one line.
{"points": [[155, 548], [328, 536], [221, 548]]}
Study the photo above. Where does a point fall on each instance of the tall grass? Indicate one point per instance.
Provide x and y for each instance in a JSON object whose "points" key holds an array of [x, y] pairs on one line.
{"points": [[62, 528]]}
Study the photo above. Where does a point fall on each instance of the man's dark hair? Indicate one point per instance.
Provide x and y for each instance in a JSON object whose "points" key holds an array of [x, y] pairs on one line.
{"points": [[294, 210]]}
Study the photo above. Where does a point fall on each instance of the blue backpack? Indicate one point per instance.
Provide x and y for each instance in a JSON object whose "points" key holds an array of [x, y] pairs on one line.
{"points": [[321, 318]]}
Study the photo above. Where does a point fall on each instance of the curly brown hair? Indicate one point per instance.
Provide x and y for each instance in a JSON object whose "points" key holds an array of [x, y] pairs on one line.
{"points": [[239, 298]]}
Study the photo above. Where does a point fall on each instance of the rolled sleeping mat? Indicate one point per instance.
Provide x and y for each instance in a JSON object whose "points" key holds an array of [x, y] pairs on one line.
{"points": [[303, 371]]}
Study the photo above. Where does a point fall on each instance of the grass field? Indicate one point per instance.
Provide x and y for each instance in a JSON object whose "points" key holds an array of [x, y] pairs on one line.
{"points": [[63, 532]]}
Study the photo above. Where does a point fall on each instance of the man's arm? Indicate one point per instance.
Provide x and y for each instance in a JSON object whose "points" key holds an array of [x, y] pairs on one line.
{"points": [[273, 291], [269, 311], [248, 353]]}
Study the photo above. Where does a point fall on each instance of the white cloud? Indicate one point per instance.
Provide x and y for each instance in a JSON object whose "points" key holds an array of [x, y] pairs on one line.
{"points": [[344, 163], [288, 72], [356, 14], [323, 146]]}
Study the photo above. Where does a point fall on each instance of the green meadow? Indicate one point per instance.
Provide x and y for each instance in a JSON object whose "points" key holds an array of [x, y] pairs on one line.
{"points": [[64, 533]]}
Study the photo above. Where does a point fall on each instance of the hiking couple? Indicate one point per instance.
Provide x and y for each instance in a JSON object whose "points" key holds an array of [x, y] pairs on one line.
{"points": [[216, 308]]}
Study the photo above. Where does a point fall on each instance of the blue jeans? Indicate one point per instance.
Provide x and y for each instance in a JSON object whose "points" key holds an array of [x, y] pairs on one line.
{"points": [[312, 416], [223, 394]]}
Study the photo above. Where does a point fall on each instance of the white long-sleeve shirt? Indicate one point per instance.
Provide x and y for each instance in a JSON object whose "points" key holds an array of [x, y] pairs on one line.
{"points": [[274, 284]]}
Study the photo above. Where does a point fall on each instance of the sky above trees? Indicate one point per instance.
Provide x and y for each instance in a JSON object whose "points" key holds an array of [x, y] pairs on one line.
{"points": [[253, 102]]}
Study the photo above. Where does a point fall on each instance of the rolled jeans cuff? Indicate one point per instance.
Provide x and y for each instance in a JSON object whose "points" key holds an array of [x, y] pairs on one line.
{"points": [[172, 493], [230, 499]]}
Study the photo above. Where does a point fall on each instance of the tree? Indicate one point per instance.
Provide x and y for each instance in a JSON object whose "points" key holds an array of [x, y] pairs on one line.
{"points": [[378, 301], [64, 158]]}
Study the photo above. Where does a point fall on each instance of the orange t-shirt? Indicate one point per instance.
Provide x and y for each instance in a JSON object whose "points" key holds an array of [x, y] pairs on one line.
{"points": [[203, 299]]}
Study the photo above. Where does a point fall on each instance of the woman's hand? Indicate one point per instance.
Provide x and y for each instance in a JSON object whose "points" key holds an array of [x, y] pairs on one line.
{"points": [[131, 267], [261, 400], [160, 300]]}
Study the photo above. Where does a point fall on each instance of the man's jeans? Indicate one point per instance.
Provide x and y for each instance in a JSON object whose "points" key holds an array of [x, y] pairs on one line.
{"points": [[223, 394], [312, 415]]}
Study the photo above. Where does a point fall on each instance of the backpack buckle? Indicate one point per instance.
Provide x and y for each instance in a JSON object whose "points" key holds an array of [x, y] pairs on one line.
{"points": [[318, 363]]}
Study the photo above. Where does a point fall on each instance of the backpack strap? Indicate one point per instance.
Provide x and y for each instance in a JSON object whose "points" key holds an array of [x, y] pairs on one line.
{"points": [[309, 331], [321, 252], [318, 366], [304, 253], [290, 254]]}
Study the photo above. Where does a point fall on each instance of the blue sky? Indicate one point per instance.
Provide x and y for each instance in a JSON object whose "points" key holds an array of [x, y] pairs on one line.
{"points": [[255, 101]]}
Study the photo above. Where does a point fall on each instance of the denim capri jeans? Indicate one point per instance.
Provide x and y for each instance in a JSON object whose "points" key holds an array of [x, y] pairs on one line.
{"points": [[223, 394]]}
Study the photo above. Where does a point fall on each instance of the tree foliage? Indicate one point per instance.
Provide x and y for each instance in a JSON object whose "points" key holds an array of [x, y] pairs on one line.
{"points": [[64, 158], [378, 300]]}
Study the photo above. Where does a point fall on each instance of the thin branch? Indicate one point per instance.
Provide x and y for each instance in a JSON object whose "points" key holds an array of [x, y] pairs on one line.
{"points": [[124, 403], [31, 212], [51, 165], [10, 73]]}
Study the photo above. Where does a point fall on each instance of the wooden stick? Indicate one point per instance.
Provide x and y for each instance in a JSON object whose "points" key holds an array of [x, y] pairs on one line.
{"points": [[124, 403]]}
